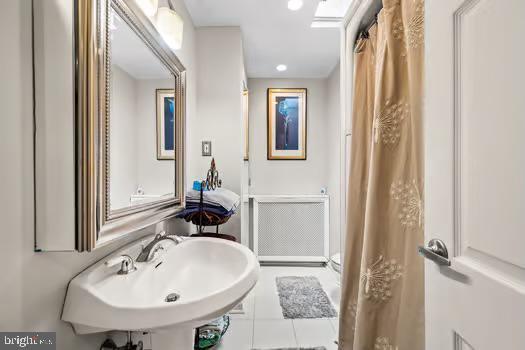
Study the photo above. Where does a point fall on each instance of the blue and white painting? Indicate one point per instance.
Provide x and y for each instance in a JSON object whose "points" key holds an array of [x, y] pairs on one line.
{"points": [[169, 123], [287, 123], [165, 124]]}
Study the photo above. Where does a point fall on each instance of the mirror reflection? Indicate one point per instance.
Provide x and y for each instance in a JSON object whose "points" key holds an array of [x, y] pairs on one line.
{"points": [[141, 121]]}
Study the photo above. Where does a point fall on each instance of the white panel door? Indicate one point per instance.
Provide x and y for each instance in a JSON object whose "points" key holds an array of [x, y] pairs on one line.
{"points": [[475, 173]]}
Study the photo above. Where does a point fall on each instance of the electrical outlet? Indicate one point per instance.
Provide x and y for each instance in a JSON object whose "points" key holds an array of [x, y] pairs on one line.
{"points": [[206, 148]]}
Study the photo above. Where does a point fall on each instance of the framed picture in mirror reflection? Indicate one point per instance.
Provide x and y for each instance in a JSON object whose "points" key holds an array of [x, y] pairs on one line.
{"points": [[165, 124]]}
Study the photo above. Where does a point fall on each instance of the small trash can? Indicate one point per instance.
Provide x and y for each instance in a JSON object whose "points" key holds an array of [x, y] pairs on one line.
{"points": [[211, 334]]}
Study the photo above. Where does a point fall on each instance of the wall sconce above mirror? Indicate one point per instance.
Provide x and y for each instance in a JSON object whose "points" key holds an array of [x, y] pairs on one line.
{"points": [[167, 21], [170, 27], [129, 112]]}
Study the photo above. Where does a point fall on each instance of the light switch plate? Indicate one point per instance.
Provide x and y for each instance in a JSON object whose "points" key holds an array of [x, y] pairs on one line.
{"points": [[206, 148]]}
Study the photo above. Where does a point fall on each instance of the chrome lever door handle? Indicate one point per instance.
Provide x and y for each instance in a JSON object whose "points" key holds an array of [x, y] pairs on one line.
{"points": [[436, 251]]}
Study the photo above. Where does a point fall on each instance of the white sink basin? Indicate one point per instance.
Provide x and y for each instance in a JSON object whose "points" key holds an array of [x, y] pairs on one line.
{"points": [[210, 275]]}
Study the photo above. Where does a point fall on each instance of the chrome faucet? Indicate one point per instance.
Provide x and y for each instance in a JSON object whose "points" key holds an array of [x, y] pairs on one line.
{"points": [[148, 252]]}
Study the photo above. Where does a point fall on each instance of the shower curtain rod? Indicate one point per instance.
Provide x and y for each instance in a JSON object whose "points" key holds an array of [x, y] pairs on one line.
{"points": [[364, 32], [370, 17], [372, 22]]}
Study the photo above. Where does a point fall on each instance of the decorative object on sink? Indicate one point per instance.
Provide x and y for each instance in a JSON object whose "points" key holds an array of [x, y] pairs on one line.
{"points": [[287, 124], [165, 124], [99, 300]]}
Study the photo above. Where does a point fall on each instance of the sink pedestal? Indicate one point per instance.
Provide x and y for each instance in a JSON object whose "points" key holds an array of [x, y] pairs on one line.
{"points": [[179, 338]]}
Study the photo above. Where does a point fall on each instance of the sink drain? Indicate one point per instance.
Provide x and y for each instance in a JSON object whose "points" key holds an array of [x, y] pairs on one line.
{"points": [[172, 297]]}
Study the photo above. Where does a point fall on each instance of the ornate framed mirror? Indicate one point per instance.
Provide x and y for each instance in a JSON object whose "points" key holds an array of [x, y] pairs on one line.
{"points": [[130, 112]]}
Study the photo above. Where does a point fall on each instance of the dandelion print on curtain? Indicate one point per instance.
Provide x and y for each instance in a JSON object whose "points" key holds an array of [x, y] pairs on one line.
{"points": [[382, 305]]}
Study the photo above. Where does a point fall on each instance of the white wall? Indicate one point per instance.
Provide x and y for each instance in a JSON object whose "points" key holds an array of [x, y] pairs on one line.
{"points": [[33, 285], [123, 134], [290, 176], [334, 161], [299, 176], [218, 117], [54, 128], [133, 127], [153, 175]]}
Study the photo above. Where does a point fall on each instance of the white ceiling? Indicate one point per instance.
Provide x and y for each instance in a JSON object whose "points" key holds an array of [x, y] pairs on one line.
{"points": [[274, 35]]}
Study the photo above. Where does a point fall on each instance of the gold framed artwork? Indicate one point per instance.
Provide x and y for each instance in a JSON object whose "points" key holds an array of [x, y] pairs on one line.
{"points": [[287, 124], [246, 124], [165, 103]]}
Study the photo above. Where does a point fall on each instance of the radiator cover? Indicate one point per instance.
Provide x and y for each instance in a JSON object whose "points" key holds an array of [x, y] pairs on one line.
{"points": [[291, 228]]}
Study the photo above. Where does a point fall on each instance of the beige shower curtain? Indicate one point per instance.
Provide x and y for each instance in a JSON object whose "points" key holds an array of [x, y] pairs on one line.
{"points": [[382, 306]]}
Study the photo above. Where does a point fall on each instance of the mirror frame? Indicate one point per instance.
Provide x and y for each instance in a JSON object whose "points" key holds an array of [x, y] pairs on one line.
{"points": [[96, 224]]}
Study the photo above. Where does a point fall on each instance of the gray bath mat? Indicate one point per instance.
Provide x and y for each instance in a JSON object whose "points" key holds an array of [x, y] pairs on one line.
{"points": [[303, 297]]}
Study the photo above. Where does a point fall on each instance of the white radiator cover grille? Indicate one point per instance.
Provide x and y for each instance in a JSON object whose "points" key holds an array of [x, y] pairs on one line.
{"points": [[291, 228]]}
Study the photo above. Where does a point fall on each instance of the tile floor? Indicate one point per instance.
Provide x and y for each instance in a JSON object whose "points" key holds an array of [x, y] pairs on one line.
{"points": [[262, 325]]}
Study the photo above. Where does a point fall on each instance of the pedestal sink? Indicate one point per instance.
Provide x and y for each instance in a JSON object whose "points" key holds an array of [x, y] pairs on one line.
{"points": [[183, 287]]}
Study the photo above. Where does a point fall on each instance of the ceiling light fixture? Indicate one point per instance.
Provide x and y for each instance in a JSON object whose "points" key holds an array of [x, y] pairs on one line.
{"points": [[149, 7], [295, 5], [170, 26], [281, 67]]}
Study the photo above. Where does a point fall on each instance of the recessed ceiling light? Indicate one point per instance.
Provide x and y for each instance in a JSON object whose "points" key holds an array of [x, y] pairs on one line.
{"points": [[281, 68], [295, 5]]}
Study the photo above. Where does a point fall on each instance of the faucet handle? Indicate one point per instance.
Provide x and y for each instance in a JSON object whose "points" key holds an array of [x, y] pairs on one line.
{"points": [[127, 265]]}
